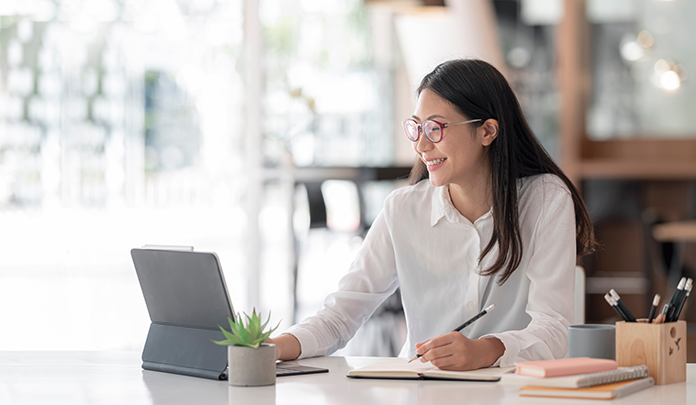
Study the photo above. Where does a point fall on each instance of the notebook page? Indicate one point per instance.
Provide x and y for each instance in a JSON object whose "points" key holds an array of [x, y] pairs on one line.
{"points": [[395, 365]]}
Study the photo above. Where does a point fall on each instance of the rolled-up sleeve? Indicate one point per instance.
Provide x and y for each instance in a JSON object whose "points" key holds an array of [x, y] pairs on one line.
{"points": [[370, 280], [551, 273]]}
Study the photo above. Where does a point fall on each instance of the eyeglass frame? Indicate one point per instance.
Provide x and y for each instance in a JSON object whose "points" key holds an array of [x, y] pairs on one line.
{"points": [[440, 125]]}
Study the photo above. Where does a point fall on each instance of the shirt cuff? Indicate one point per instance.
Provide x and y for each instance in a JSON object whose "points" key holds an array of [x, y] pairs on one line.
{"points": [[308, 342], [512, 350]]}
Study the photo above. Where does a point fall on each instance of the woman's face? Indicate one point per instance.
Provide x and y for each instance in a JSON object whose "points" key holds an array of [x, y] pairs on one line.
{"points": [[463, 153]]}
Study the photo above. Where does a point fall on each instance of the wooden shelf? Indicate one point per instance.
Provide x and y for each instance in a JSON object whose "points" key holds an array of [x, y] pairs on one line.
{"points": [[636, 170], [648, 159], [680, 231], [641, 147]]}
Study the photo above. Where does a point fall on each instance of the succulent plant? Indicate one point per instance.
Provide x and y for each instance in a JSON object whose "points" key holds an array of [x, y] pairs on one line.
{"points": [[249, 334]]}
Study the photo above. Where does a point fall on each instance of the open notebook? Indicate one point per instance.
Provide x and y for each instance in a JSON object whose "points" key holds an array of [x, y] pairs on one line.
{"points": [[401, 368]]}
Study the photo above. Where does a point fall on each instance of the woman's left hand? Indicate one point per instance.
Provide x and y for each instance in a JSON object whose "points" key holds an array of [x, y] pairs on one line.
{"points": [[456, 352]]}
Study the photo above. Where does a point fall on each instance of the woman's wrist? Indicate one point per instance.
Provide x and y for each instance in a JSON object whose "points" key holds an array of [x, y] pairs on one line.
{"points": [[492, 349], [287, 347]]}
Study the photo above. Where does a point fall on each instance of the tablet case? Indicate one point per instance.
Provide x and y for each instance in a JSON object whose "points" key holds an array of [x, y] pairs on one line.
{"points": [[187, 298]]}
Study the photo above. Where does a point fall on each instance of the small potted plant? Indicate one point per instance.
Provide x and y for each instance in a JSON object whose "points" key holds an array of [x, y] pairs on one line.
{"points": [[251, 362]]}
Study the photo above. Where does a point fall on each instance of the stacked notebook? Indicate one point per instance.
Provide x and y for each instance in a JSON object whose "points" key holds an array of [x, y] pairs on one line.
{"points": [[578, 378]]}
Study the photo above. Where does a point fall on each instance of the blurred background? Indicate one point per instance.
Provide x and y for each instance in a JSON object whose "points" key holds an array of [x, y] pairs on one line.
{"points": [[269, 132]]}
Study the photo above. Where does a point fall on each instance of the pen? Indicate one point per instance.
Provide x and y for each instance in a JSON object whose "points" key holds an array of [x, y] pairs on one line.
{"points": [[675, 299], [685, 295], [653, 308], [622, 306], [465, 324], [612, 303]]}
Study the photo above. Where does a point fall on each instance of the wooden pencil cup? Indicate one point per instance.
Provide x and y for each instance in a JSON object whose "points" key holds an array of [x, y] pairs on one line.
{"points": [[661, 346]]}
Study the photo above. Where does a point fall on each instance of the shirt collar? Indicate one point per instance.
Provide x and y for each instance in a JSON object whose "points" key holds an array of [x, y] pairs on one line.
{"points": [[442, 206], [439, 197]]}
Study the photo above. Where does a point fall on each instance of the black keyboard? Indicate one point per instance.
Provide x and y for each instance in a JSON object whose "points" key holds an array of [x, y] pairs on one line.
{"points": [[283, 369]]}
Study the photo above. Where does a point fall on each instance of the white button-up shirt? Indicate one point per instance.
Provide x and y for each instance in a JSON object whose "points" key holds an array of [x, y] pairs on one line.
{"points": [[422, 244]]}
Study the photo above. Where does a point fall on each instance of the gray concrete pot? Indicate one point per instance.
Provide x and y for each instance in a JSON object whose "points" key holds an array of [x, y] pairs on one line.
{"points": [[251, 367]]}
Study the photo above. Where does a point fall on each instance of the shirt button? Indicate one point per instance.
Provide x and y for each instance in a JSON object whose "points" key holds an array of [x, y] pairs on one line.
{"points": [[470, 304]]}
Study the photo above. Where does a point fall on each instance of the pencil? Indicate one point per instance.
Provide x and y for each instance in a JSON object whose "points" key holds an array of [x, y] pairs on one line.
{"points": [[465, 324], [661, 318], [653, 308]]}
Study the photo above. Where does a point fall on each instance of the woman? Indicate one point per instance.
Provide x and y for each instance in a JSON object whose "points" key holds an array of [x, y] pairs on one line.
{"points": [[497, 223]]}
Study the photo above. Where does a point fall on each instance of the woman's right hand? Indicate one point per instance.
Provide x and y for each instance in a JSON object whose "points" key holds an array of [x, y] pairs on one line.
{"points": [[287, 346]]}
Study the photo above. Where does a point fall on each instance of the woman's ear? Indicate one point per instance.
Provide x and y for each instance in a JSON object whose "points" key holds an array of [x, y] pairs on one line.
{"points": [[489, 130]]}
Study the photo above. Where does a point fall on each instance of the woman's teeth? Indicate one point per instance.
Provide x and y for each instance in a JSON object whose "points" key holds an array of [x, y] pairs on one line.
{"points": [[435, 162]]}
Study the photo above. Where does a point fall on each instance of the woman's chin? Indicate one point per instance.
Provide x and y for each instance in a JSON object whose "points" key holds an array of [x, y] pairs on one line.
{"points": [[435, 181]]}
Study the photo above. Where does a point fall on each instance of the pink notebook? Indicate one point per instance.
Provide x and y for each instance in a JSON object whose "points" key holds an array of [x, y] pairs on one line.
{"points": [[561, 367]]}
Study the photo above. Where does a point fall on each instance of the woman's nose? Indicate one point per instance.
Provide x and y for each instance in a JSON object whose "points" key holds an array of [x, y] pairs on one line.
{"points": [[422, 144]]}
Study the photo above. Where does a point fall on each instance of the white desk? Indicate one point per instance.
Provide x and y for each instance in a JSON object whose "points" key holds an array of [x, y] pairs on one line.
{"points": [[116, 378]]}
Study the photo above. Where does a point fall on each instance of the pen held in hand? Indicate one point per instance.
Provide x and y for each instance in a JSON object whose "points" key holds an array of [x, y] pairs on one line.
{"points": [[465, 324]]}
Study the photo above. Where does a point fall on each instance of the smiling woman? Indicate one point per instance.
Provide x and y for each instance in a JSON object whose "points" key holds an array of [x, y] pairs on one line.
{"points": [[498, 223], [473, 87]]}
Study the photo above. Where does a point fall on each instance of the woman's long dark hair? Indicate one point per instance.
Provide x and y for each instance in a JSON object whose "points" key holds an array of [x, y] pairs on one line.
{"points": [[478, 90]]}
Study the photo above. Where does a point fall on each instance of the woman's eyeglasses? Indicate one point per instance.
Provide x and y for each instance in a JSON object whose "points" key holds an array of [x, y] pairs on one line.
{"points": [[433, 130]]}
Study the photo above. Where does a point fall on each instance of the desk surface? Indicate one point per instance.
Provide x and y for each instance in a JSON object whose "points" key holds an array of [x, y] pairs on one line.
{"points": [[116, 378]]}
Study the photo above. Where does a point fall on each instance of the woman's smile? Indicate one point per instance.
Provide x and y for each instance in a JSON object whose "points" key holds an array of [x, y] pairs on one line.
{"points": [[434, 164]]}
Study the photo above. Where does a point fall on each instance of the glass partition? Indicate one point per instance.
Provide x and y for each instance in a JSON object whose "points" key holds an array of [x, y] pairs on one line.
{"points": [[119, 127]]}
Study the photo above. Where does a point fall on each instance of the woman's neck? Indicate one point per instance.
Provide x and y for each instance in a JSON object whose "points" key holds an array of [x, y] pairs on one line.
{"points": [[473, 199]]}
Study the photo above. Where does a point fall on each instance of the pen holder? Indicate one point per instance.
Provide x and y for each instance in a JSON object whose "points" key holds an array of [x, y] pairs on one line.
{"points": [[660, 346]]}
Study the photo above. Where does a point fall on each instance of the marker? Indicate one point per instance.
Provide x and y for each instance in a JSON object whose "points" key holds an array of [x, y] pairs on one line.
{"points": [[653, 308], [612, 303], [685, 295], [622, 306], [676, 297], [465, 324]]}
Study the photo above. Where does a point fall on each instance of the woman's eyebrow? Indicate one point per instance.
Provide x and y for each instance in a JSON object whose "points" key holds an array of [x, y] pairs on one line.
{"points": [[429, 118]]}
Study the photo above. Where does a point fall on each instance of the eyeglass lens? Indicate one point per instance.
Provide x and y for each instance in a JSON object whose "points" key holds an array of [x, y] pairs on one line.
{"points": [[431, 129]]}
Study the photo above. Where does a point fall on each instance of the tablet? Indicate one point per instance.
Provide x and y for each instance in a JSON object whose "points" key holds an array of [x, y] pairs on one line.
{"points": [[187, 299]]}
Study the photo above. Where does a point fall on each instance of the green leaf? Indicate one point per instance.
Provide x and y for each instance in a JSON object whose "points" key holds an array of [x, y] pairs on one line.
{"points": [[254, 326], [227, 342], [274, 329], [227, 334], [247, 330], [267, 320], [243, 335], [257, 341], [235, 326]]}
